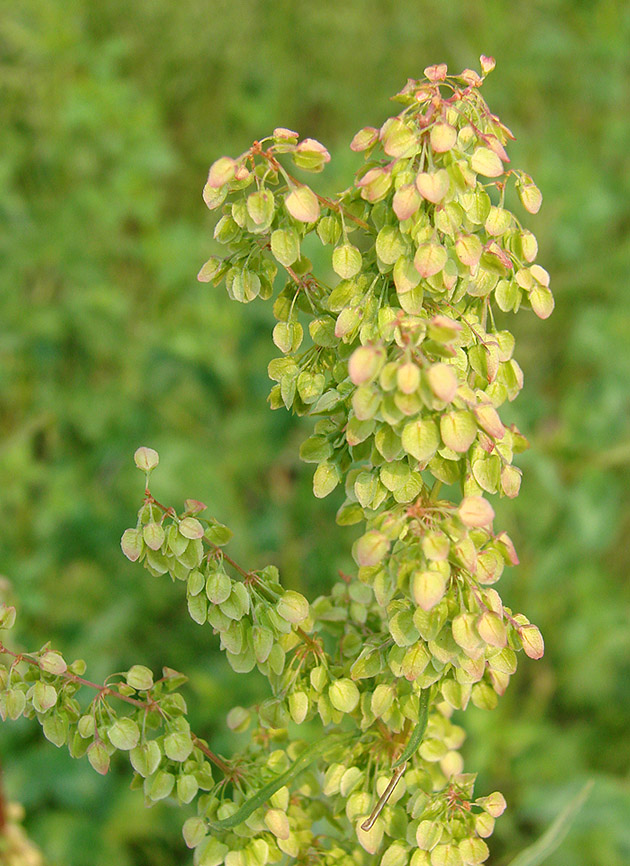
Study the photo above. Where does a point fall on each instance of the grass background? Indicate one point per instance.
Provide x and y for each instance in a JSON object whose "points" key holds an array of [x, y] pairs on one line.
{"points": [[110, 114]]}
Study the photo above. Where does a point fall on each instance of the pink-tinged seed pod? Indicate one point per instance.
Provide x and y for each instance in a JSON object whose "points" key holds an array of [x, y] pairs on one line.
{"points": [[437, 72], [475, 511], [365, 364], [364, 138], [221, 172]]}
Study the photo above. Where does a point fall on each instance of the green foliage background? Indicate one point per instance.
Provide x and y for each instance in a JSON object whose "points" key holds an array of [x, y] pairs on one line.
{"points": [[111, 113]]}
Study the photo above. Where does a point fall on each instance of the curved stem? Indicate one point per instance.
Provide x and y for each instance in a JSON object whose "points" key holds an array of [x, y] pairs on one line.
{"points": [[105, 691]]}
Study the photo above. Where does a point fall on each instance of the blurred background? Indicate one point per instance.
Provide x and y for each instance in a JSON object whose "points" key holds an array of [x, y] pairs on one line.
{"points": [[110, 115]]}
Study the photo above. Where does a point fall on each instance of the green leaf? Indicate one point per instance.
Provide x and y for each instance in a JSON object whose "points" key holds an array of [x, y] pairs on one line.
{"points": [[198, 608], [194, 831], [288, 336], [315, 449], [390, 245], [132, 544], [260, 206], [551, 839], [458, 430], [293, 607], [190, 527], [344, 695], [44, 696], [218, 587], [53, 663], [218, 534]]}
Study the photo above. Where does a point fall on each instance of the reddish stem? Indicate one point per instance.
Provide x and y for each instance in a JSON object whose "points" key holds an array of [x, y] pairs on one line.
{"points": [[103, 691]]}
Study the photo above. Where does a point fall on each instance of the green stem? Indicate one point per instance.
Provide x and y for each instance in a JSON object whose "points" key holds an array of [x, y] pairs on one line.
{"points": [[308, 756], [417, 734]]}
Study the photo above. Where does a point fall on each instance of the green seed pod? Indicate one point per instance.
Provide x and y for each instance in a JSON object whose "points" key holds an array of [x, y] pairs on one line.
{"points": [[146, 459], [43, 696], [139, 677], [124, 734], [52, 663], [145, 758], [98, 758], [132, 544], [160, 786], [293, 607], [371, 548], [194, 831], [344, 695]]}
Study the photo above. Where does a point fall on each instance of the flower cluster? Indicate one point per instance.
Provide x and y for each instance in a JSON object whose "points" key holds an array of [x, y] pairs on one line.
{"points": [[395, 351]]}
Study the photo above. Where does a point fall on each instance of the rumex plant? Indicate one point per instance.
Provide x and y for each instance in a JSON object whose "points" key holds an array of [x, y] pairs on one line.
{"points": [[405, 370]]}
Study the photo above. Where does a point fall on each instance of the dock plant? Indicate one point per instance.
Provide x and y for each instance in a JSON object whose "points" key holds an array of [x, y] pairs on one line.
{"points": [[391, 346]]}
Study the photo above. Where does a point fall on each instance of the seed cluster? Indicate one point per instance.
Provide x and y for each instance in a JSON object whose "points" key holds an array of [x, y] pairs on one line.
{"points": [[395, 351]]}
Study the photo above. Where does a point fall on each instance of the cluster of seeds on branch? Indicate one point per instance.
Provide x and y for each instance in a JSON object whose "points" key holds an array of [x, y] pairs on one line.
{"points": [[405, 369], [166, 757], [254, 615]]}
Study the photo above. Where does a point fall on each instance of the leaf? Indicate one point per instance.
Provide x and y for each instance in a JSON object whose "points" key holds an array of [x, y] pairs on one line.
{"points": [[178, 746], [551, 839], [458, 430], [399, 140], [288, 336], [260, 206], [55, 730], [190, 527], [145, 758], [98, 758], [530, 196]]}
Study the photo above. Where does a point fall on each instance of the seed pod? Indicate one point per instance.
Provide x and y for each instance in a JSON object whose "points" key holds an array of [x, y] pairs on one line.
{"points": [[365, 364], [293, 607], [371, 548], [344, 695], [146, 459]]}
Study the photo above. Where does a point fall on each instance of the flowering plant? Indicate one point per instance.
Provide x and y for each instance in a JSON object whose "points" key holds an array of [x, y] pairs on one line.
{"points": [[404, 370]]}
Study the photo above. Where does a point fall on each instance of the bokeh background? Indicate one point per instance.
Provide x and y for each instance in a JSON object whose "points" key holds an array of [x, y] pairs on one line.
{"points": [[110, 114]]}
